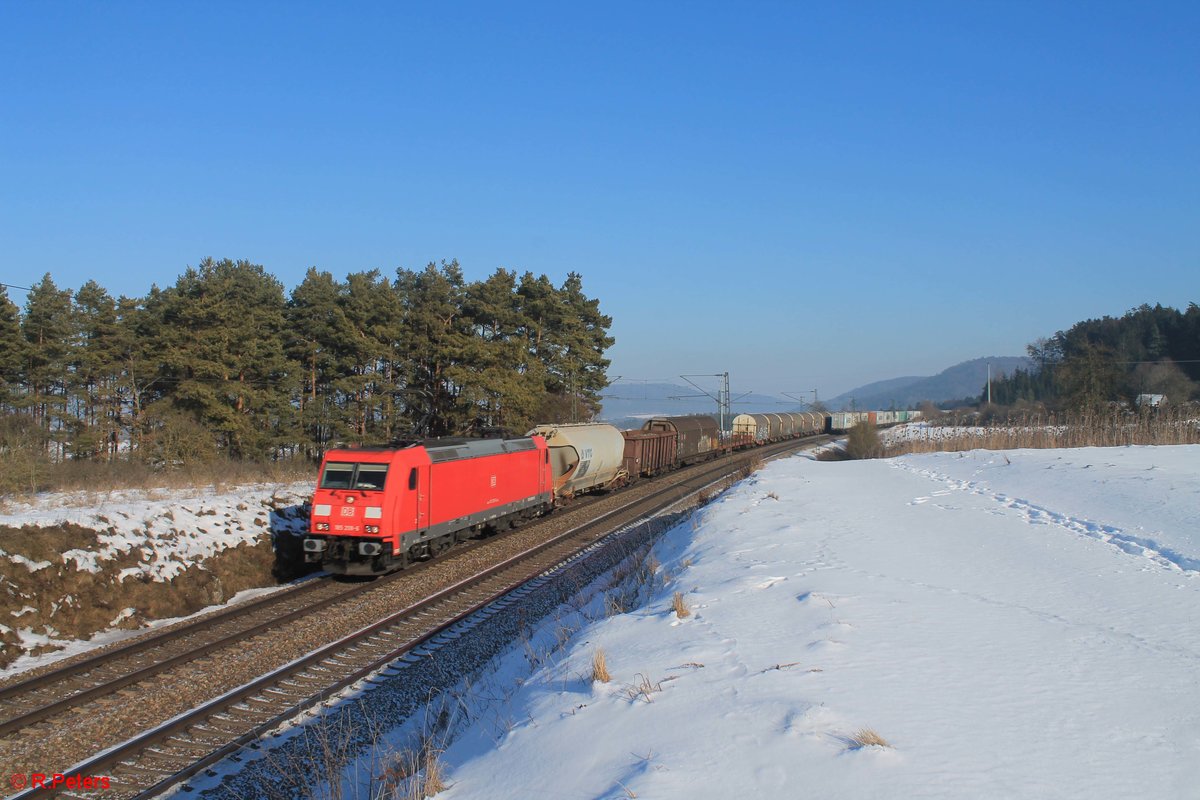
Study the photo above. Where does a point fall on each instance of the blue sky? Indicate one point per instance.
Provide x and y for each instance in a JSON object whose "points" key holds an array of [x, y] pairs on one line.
{"points": [[808, 196]]}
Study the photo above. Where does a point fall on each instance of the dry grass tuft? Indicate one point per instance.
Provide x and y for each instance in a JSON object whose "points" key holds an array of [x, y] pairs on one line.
{"points": [[681, 609], [434, 774], [866, 737], [413, 775], [643, 689], [613, 604], [600, 667], [648, 569]]}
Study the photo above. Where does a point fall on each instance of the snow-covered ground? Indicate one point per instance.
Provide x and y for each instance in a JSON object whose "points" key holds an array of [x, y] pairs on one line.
{"points": [[1021, 624]]}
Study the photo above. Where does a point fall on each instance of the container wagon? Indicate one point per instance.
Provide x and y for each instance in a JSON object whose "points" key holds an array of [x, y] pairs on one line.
{"points": [[755, 426]]}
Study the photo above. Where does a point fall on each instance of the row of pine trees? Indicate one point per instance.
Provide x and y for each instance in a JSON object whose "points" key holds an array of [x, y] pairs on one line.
{"points": [[225, 363]]}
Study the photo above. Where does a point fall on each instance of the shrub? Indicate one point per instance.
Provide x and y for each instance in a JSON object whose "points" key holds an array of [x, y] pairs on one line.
{"points": [[863, 441]]}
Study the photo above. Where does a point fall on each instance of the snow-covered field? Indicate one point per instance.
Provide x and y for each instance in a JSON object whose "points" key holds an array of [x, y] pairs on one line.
{"points": [[1021, 624]]}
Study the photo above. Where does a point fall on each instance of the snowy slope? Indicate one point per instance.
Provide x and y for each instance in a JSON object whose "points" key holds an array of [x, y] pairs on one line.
{"points": [[173, 529], [153, 535], [1015, 625]]}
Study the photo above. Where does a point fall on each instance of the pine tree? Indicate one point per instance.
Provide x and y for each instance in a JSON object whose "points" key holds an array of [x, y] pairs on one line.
{"points": [[317, 332], [435, 334], [12, 354], [584, 337], [496, 389], [47, 327], [369, 356], [223, 326], [567, 336], [96, 365], [144, 380]]}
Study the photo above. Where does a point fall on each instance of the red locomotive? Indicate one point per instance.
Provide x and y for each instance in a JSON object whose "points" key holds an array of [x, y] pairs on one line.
{"points": [[379, 509]]}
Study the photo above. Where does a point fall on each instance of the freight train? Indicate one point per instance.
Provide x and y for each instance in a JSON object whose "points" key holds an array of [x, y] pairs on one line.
{"points": [[375, 510]]}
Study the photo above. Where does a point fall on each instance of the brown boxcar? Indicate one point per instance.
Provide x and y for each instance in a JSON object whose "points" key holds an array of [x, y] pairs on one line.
{"points": [[649, 452], [699, 437]]}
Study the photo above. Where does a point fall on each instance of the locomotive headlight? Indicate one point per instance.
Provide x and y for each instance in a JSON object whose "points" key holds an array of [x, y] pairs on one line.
{"points": [[322, 526], [372, 529], [372, 512], [322, 509]]}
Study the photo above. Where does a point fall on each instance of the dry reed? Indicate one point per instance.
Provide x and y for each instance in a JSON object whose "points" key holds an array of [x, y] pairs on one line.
{"points": [[1040, 431], [866, 737], [600, 667]]}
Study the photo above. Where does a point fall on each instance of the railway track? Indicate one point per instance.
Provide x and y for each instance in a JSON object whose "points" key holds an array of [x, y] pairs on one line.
{"points": [[151, 762], [27, 702], [47, 695]]}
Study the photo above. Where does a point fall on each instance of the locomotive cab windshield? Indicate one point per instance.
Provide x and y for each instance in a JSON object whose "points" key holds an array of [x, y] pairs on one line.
{"points": [[354, 477]]}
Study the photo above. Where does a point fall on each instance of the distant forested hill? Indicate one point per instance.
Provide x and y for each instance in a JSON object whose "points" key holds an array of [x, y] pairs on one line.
{"points": [[961, 380]]}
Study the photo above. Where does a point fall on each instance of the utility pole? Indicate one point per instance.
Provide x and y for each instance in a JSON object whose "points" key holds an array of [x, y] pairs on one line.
{"points": [[724, 409], [989, 383], [722, 396]]}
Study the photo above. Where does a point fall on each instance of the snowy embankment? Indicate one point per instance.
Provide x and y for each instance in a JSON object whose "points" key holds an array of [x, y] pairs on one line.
{"points": [[74, 565], [171, 529], [1016, 624]]}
